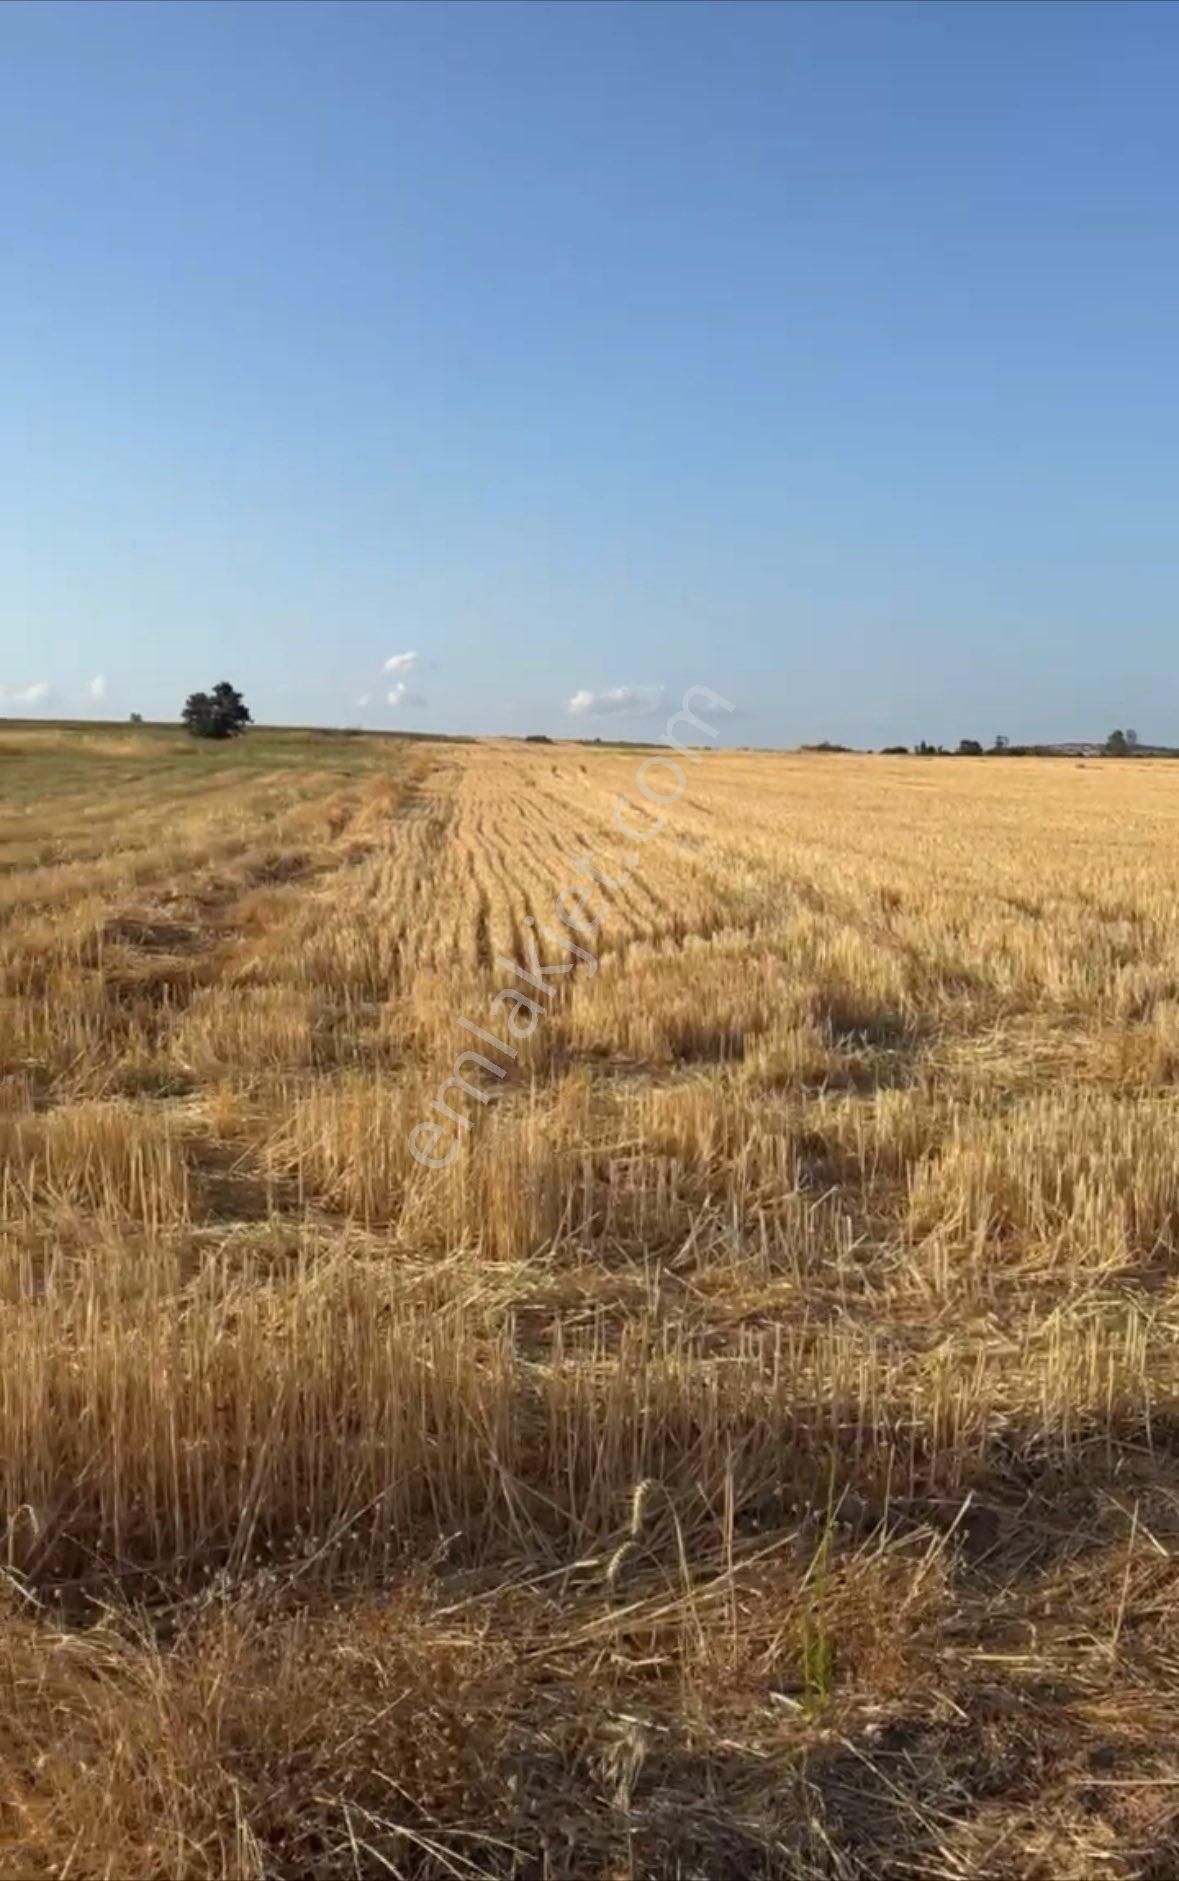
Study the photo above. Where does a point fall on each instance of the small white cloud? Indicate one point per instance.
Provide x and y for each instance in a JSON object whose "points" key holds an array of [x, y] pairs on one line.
{"points": [[401, 662], [400, 694], [97, 686], [616, 702], [363, 699], [25, 695]]}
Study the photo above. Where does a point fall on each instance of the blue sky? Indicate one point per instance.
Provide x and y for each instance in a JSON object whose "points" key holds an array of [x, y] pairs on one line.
{"points": [[826, 356]]}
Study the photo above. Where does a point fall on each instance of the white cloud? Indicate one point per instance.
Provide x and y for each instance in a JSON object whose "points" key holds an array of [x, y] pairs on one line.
{"points": [[363, 699], [25, 695], [401, 662], [616, 702], [400, 694], [97, 686]]}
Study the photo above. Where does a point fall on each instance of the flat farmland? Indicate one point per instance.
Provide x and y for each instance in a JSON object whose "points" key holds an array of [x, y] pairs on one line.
{"points": [[545, 1333]]}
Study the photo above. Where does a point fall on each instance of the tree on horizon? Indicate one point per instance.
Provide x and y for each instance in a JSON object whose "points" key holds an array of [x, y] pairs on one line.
{"points": [[223, 713]]}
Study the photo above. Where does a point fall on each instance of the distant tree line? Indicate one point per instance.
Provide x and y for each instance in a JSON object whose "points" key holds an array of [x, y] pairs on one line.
{"points": [[1119, 744]]}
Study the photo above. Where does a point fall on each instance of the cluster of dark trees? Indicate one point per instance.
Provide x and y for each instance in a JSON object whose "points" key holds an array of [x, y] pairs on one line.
{"points": [[967, 748], [222, 713]]}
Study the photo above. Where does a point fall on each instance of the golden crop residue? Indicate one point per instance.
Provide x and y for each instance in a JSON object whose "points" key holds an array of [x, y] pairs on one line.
{"points": [[750, 1456]]}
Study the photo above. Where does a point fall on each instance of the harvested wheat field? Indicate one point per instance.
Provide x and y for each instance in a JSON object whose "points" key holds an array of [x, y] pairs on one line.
{"points": [[748, 1452]]}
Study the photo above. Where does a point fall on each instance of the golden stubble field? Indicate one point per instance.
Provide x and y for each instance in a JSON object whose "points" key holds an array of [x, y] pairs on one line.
{"points": [[752, 1454]]}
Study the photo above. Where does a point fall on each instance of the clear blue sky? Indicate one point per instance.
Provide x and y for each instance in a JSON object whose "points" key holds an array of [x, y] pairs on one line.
{"points": [[827, 356]]}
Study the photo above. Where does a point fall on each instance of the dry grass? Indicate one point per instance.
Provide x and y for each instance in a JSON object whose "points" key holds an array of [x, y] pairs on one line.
{"points": [[753, 1455]]}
